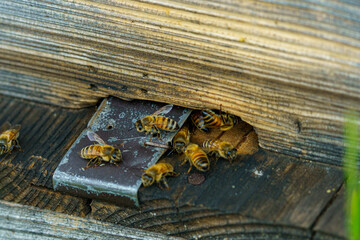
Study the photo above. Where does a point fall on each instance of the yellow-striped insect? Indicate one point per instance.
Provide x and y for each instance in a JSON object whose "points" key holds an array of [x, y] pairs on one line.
{"points": [[196, 157], [101, 152], [152, 124], [181, 139], [220, 149], [9, 137], [157, 173]]}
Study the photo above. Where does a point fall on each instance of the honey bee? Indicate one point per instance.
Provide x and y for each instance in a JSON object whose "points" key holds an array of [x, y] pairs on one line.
{"points": [[228, 121], [207, 118], [181, 139], [211, 119], [157, 173], [100, 152], [8, 138], [153, 123], [197, 157], [220, 149], [198, 119]]}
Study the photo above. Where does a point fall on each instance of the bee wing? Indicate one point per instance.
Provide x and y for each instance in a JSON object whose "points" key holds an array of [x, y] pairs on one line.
{"points": [[5, 126], [95, 138], [163, 110]]}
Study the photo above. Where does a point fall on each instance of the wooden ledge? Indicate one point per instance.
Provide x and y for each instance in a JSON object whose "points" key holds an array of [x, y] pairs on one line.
{"points": [[288, 69]]}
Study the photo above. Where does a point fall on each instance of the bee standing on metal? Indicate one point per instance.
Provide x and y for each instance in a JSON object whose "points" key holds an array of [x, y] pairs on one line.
{"points": [[8, 138], [157, 173], [153, 123], [196, 157], [181, 139], [100, 152], [220, 149]]}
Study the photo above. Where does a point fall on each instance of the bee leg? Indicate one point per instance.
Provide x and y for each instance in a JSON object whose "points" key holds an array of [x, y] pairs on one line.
{"points": [[217, 156], [165, 183], [159, 185], [17, 145], [94, 162], [156, 131], [173, 174], [116, 163], [189, 169], [185, 160], [152, 132], [159, 136], [216, 160], [98, 162], [230, 160], [7, 154]]}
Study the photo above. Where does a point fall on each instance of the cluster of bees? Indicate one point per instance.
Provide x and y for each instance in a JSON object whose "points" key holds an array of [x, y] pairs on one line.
{"points": [[196, 155], [152, 124]]}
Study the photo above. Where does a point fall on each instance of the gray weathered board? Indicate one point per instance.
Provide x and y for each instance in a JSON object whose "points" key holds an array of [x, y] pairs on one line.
{"points": [[30, 223], [114, 122]]}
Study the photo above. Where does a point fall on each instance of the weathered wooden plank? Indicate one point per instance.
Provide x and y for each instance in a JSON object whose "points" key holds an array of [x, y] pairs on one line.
{"points": [[259, 194], [331, 224], [46, 134], [194, 222], [23, 222], [287, 68]]}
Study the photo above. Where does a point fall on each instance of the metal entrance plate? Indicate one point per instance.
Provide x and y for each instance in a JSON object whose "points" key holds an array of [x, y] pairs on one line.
{"points": [[114, 122]]}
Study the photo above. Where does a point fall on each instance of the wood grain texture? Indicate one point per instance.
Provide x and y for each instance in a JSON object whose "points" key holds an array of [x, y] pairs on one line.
{"points": [[289, 68], [194, 222], [259, 195], [331, 224], [46, 134], [24, 222]]}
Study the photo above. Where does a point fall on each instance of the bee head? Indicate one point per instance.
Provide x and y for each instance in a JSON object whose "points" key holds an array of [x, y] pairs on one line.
{"points": [[116, 155], [179, 146], [231, 154], [147, 179], [234, 119], [139, 126]]}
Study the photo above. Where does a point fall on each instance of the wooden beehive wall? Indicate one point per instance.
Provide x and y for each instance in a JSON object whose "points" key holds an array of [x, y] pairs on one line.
{"points": [[289, 68]]}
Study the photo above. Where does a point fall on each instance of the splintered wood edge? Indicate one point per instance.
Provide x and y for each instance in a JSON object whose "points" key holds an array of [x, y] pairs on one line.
{"points": [[18, 221]]}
